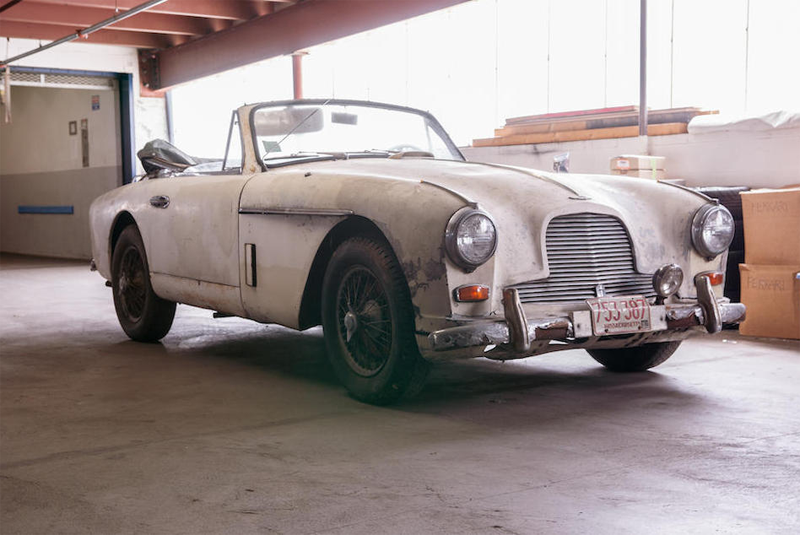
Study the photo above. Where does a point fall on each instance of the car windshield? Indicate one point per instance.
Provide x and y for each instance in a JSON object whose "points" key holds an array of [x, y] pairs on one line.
{"points": [[300, 131]]}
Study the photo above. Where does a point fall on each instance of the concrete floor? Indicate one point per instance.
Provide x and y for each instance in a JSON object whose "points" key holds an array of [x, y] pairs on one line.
{"points": [[234, 427]]}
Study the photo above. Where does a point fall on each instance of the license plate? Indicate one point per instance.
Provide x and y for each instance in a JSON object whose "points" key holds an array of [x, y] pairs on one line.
{"points": [[620, 315]]}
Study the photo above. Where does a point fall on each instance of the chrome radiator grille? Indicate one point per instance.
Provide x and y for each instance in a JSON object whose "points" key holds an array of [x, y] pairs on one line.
{"points": [[586, 252]]}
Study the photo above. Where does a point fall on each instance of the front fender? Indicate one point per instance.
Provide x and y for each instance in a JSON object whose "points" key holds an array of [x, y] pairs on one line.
{"points": [[411, 215]]}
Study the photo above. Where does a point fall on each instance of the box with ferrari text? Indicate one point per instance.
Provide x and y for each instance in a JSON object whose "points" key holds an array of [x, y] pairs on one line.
{"points": [[772, 226], [772, 297]]}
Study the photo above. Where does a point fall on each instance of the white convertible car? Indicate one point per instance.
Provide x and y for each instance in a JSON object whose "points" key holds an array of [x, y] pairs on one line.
{"points": [[365, 218]]}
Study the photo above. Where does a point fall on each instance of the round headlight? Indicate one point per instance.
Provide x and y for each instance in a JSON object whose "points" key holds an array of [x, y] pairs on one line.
{"points": [[712, 230], [470, 238], [667, 279]]}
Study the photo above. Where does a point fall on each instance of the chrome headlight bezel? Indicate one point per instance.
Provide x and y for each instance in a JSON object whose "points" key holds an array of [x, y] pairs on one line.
{"points": [[451, 241], [701, 218]]}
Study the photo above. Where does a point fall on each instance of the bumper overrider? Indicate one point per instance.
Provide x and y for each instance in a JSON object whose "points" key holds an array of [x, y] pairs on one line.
{"points": [[518, 333]]}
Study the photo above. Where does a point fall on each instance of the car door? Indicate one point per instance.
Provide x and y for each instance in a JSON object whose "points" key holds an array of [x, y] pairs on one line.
{"points": [[190, 226]]}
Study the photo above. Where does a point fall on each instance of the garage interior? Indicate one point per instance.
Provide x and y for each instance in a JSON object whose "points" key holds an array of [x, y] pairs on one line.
{"points": [[231, 426]]}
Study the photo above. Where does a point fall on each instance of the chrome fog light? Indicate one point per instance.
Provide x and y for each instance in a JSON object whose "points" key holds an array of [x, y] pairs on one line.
{"points": [[667, 279]]}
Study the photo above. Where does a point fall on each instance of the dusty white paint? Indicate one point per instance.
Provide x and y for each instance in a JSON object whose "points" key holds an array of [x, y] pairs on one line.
{"points": [[192, 247]]}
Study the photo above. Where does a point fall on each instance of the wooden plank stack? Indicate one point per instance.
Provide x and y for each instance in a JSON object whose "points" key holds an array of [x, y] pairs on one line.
{"points": [[603, 123]]}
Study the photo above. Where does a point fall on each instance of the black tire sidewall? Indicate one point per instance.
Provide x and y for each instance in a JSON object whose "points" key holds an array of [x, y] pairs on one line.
{"points": [[157, 314], [396, 374], [635, 359]]}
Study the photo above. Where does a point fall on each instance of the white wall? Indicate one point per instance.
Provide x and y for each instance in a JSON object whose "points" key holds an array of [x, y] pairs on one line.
{"points": [[766, 159]]}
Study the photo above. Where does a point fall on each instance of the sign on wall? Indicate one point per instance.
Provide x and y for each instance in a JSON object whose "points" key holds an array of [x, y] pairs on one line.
{"points": [[85, 141]]}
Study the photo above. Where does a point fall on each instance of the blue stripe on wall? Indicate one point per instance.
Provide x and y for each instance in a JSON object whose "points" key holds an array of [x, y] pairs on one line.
{"points": [[45, 209]]}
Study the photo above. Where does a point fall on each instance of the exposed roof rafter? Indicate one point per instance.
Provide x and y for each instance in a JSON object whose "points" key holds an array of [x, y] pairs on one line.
{"points": [[296, 27], [210, 9], [188, 39], [82, 17], [50, 32]]}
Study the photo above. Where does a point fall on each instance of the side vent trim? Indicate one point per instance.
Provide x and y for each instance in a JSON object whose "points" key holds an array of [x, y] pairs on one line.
{"points": [[250, 269]]}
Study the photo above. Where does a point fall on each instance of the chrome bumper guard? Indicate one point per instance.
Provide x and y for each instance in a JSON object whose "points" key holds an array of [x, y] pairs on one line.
{"points": [[520, 332]]}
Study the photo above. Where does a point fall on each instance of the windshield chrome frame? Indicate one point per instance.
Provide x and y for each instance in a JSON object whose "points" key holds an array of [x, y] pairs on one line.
{"points": [[432, 122]]}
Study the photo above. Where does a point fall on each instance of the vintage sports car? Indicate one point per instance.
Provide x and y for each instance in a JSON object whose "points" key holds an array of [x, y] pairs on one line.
{"points": [[365, 218]]}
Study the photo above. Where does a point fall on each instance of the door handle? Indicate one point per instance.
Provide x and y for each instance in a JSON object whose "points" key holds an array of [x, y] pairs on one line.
{"points": [[159, 201]]}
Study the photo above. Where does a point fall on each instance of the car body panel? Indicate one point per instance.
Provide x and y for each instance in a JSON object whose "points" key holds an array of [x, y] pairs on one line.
{"points": [[195, 237], [196, 245], [291, 245]]}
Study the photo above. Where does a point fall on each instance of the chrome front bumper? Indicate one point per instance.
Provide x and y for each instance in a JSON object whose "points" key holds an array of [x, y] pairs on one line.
{"points": [[519, 333]]}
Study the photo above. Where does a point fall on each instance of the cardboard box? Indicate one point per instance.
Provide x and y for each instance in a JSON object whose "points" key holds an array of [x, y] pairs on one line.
{"points": [[772, 226], [654, 174], [635, 162], [772, 297]]}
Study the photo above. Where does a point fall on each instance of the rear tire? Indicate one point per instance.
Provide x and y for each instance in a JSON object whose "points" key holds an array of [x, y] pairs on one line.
{"points": [[369, 323], [634, 359], [143, 315]]}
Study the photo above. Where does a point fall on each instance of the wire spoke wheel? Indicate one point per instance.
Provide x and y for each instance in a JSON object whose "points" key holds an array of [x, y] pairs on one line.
{"points": [[131, 287], [365, 321], [368, 322]]}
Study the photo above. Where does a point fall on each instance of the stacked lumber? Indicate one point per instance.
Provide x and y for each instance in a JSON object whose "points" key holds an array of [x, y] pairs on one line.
{"points": [[603, 123]]}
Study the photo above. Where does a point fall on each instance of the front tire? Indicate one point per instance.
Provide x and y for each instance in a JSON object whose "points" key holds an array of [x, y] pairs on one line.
{"points": [[143, 315], [635, 359], [369, 324]]}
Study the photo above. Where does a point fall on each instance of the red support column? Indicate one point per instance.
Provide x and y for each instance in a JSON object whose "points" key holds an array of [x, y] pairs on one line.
{"points": [[297, 74]]}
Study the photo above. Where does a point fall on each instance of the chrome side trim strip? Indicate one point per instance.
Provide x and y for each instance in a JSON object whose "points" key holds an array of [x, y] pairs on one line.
{"points": [[294, 211], [469, 202], [690, 190]]}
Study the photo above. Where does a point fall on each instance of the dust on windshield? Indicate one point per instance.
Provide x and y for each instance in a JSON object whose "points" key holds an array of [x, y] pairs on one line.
{"points": [[301, 131]]}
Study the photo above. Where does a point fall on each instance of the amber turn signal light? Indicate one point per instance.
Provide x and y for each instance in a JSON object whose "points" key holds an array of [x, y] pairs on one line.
{"points": [[714, 278], [471, 293]]}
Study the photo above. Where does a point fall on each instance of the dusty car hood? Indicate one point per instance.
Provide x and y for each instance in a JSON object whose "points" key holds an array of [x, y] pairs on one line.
{"points": [[507, 186], [522, 202]]}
